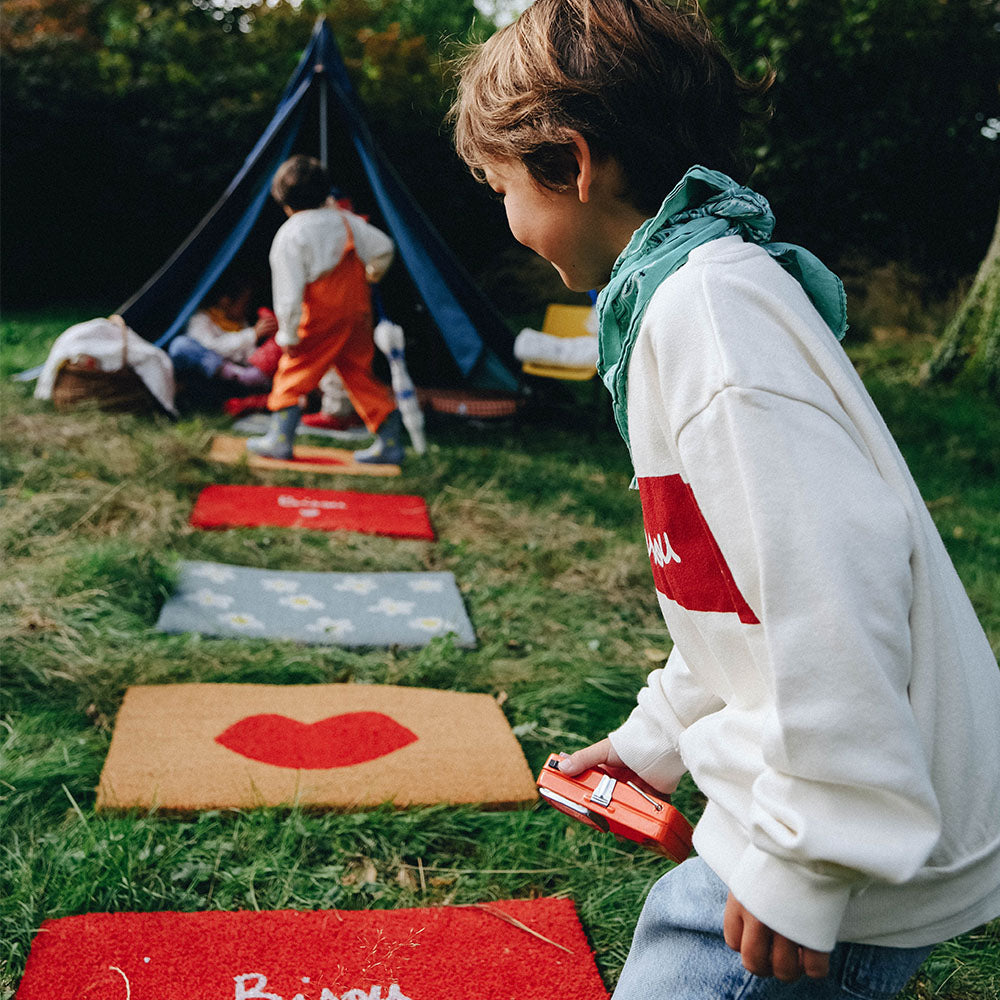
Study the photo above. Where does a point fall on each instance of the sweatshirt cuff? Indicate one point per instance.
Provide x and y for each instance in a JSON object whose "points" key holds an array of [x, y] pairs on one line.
{"points": [[801, 904], [283, 339], [641, 748]]}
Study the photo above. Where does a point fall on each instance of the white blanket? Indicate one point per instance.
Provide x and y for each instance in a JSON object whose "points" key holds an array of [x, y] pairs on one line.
{"points": [[101, 339], [545, 349]]}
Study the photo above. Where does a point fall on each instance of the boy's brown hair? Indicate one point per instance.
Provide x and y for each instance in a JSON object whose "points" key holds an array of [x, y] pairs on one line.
{"points": [[301, 182], [643, 81]]}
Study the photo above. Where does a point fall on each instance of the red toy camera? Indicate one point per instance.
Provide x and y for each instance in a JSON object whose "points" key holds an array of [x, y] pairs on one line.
{"points": [[617, 806]]}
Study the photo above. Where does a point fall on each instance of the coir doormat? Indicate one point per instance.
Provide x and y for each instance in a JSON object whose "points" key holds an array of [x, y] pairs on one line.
{"points": [[186, 747], [521, 949], [396, 515], [333, 609], [307, 458]]}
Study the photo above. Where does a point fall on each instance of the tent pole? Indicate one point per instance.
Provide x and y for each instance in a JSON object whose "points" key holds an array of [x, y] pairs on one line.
{"points": [[324, 87]]}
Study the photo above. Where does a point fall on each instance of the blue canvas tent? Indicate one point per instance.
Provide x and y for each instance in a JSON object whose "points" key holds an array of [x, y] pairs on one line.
{"points": [[476, 338]]}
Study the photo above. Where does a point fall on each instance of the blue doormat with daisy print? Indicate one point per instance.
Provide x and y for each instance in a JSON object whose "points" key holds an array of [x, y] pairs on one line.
{"points": [[334, 609]]}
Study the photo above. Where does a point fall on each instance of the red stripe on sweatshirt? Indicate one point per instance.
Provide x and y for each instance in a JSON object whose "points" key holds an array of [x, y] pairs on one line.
{"points": [[688, 565]]}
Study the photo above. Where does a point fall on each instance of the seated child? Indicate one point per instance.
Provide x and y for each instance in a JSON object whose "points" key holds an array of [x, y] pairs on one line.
{"points": [[218, 346], [830, 690], [322, 260]]}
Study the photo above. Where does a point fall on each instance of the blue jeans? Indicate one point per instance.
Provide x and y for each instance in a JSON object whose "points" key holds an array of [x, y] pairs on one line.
{"points": [[678, 953], [191, 358]]}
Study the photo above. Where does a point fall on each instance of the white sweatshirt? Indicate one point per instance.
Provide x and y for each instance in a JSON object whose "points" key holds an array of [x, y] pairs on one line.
{"points": [[309, 244], [830, 689]]}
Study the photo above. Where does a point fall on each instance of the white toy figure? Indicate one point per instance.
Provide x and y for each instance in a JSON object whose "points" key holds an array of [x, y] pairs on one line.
{"points": [[389, 340]]}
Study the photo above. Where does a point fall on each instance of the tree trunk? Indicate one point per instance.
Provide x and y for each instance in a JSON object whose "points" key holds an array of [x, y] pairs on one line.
{"points": [[972, 339]]}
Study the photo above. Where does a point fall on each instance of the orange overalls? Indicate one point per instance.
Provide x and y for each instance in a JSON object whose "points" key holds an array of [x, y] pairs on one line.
{"points": [[335, 331]]}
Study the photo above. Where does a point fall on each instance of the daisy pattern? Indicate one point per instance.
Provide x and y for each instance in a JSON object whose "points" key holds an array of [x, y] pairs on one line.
{"points": [[427, 586], [357, 584], [278, 585], [390, 606], [241, 620], [431, 623], [331, 626], [210, 598], [212, 571], [302, 602]]}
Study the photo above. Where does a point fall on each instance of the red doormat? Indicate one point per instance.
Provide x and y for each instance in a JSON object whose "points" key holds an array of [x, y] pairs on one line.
{"points": [[511, 950], [186, 747], [331, 461], [396, 515]]}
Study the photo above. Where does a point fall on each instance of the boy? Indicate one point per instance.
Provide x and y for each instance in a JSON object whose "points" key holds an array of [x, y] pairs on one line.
{"points": [[830, 689], [322, 260]]}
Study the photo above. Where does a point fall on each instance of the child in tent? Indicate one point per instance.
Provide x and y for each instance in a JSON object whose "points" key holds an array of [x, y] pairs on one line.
{"points": [[220, 354], [830, 689], [322, 260]]}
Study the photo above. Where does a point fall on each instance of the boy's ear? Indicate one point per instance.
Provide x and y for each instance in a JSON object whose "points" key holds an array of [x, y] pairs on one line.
{"points": [[584, 166]]}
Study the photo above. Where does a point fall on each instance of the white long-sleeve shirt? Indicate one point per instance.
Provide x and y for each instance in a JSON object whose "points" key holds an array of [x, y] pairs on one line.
{"points": [[233, 345], [311, 243], [830, 690]]}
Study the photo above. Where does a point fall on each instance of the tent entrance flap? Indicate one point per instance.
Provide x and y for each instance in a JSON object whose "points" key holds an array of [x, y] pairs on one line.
{"points": [[474, 334]]}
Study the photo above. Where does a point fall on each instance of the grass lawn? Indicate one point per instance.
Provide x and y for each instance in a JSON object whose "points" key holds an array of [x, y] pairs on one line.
{"points": [[544, 537]]}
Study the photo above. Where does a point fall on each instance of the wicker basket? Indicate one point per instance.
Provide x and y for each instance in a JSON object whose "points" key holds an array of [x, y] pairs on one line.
{"points": [[119, 391]]}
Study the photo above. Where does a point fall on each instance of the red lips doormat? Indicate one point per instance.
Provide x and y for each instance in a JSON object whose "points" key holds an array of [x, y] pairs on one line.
{"points": [[398, 516], [339, 741], [209, 746], [511, 950]]}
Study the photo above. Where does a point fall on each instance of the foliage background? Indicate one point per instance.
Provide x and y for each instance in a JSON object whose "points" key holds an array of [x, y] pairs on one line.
{"points": [[133, 116], [880, 143], [127, 118]]}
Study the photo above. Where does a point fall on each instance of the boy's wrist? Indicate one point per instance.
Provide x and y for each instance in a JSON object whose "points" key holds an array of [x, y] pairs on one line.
{"points": [[794, 900], [642, 749]]}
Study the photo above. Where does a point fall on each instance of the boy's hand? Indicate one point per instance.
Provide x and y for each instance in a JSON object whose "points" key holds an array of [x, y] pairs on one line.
{"points": [[766, 953], [265, 327], [602, 755], [592, 756]]}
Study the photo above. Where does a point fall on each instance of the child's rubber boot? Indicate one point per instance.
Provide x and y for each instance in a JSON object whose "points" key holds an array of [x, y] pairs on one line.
{"points": [[277, 442], [387, 448]]}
